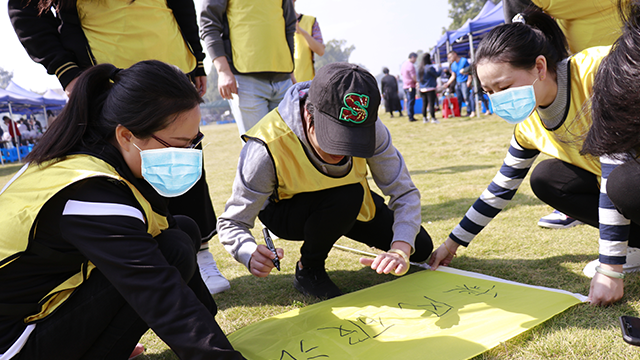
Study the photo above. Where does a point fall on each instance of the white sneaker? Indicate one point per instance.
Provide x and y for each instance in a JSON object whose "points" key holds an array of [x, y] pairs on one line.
{"points": [[632, 264], [558, 220], [210, 274], [434, 121]]}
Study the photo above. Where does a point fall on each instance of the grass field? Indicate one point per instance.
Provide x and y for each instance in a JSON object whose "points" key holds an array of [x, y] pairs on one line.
{"points": [[451, 163]]}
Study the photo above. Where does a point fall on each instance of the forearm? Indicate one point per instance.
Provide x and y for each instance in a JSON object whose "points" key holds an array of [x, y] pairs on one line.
{"points": [[185, 14], [252, 186], [614, 227], [314, 45], [40, 37], [505, 184], [211, 26], [237, 239], [290, 21], [391, 175]]}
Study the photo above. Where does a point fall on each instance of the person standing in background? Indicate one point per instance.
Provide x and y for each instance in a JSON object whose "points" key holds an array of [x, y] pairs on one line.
{"points": [[16, 136], [251, 44], [428, 76], [81, 34], [408, 73], [459, 66], [308, 41], [389, 88]]}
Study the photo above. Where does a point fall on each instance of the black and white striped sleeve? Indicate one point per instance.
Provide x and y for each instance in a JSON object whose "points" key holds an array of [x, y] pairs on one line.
{"points": [[504, 186], [613, 227]]}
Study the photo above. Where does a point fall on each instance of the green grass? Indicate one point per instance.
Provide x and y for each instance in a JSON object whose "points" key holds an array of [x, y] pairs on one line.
{"points": [[451, 163]]}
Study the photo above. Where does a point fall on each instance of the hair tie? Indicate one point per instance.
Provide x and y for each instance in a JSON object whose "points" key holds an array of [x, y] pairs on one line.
{"points": [[113, 73], [519, 18]]}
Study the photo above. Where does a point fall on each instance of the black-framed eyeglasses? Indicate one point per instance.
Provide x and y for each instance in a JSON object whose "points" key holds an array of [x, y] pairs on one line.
{"points": [[192, 144]]}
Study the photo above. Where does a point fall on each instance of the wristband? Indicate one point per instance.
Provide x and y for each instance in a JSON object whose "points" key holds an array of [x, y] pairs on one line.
{"points": [[404, 256], [449, 251], [610, 273]]}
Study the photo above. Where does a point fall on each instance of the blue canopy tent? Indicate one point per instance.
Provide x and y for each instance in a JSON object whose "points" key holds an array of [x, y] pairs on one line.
{"points": [[15, 99], [466, 39]]}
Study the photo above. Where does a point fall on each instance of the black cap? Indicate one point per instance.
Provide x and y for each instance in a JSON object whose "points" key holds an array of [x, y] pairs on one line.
{"points": [[346, 98]]}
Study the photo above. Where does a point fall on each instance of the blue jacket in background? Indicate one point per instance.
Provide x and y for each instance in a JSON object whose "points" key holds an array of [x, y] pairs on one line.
{"points": [[429, 77]]}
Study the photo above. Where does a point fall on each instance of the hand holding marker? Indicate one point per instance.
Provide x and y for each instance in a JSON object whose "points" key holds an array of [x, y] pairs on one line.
{"points": [[270, 246]]}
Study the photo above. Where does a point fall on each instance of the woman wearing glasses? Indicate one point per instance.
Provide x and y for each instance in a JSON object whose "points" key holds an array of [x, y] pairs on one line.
{"points": [[94, 258]]}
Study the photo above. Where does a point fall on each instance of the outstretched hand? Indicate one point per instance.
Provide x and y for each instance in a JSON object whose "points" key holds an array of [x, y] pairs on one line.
{"points": [[605, 290], [443, 255], [260, 264], [386, 262]]}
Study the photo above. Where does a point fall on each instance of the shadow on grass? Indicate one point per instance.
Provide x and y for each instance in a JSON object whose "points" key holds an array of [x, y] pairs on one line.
{"points": [[278, 290], [9, 169], [450, 169], [165, 355], [456, 208]]}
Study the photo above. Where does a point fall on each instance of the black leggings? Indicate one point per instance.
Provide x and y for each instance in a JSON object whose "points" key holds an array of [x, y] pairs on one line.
{"points": [[429, 98], [575, 192], [320, 218], [624, 192], [97, 323]]}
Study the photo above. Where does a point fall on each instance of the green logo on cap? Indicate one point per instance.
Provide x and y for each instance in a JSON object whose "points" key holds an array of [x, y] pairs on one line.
{"points": [[356, 108]]}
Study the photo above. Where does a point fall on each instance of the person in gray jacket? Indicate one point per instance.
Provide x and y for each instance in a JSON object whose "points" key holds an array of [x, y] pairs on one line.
{"points": [[303, 172]]}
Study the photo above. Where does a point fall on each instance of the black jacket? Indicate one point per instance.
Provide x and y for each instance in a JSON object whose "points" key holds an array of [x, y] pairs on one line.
{"points": [[59, 44], [123, 252]]}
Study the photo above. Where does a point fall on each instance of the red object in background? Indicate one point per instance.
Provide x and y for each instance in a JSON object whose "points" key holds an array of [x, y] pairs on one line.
{"points": [[446, 107]]}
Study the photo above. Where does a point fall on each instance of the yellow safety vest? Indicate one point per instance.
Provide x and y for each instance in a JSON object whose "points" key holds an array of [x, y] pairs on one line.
{"points": [[565, 142], [296, 173], [585, 23], [258, 36], [125, 32], [303, 55], [27, 193]]}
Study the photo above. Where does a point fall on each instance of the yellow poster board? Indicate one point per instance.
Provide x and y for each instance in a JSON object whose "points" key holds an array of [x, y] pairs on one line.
{"points": [[444, 314]]}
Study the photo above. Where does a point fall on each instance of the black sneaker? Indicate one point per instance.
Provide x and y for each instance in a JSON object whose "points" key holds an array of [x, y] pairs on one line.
{"points": [[315, 282]]}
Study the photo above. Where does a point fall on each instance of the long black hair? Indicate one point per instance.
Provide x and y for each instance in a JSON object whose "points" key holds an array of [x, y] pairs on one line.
{"points": [[145, 98], [426, 60], [520, 44], [615, 107]]}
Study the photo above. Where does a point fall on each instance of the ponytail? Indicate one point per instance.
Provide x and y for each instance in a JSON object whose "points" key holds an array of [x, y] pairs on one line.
{"points": [[615, 106], [71, 126], [145, 98], [533, 33]]}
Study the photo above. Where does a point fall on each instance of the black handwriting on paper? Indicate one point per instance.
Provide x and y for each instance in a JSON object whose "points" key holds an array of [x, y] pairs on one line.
{"points": [[307, 354]]}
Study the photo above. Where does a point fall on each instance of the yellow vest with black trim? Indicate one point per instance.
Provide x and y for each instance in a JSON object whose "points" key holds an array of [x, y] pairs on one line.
{"points": [[125, 32], [296, 173], [585, 23], [302, 54], [565, 142], [27, 193], [258, 36]]}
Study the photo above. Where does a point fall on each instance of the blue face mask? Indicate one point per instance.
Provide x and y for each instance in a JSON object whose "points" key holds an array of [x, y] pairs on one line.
{"points": [[514, 104], [171, 171]]}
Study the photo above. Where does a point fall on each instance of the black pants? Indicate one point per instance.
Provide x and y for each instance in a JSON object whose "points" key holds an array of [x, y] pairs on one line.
{"points": [[320, 218], [410, 95], [624, 193], [429, 99], [97, 323], [575, 192]]}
